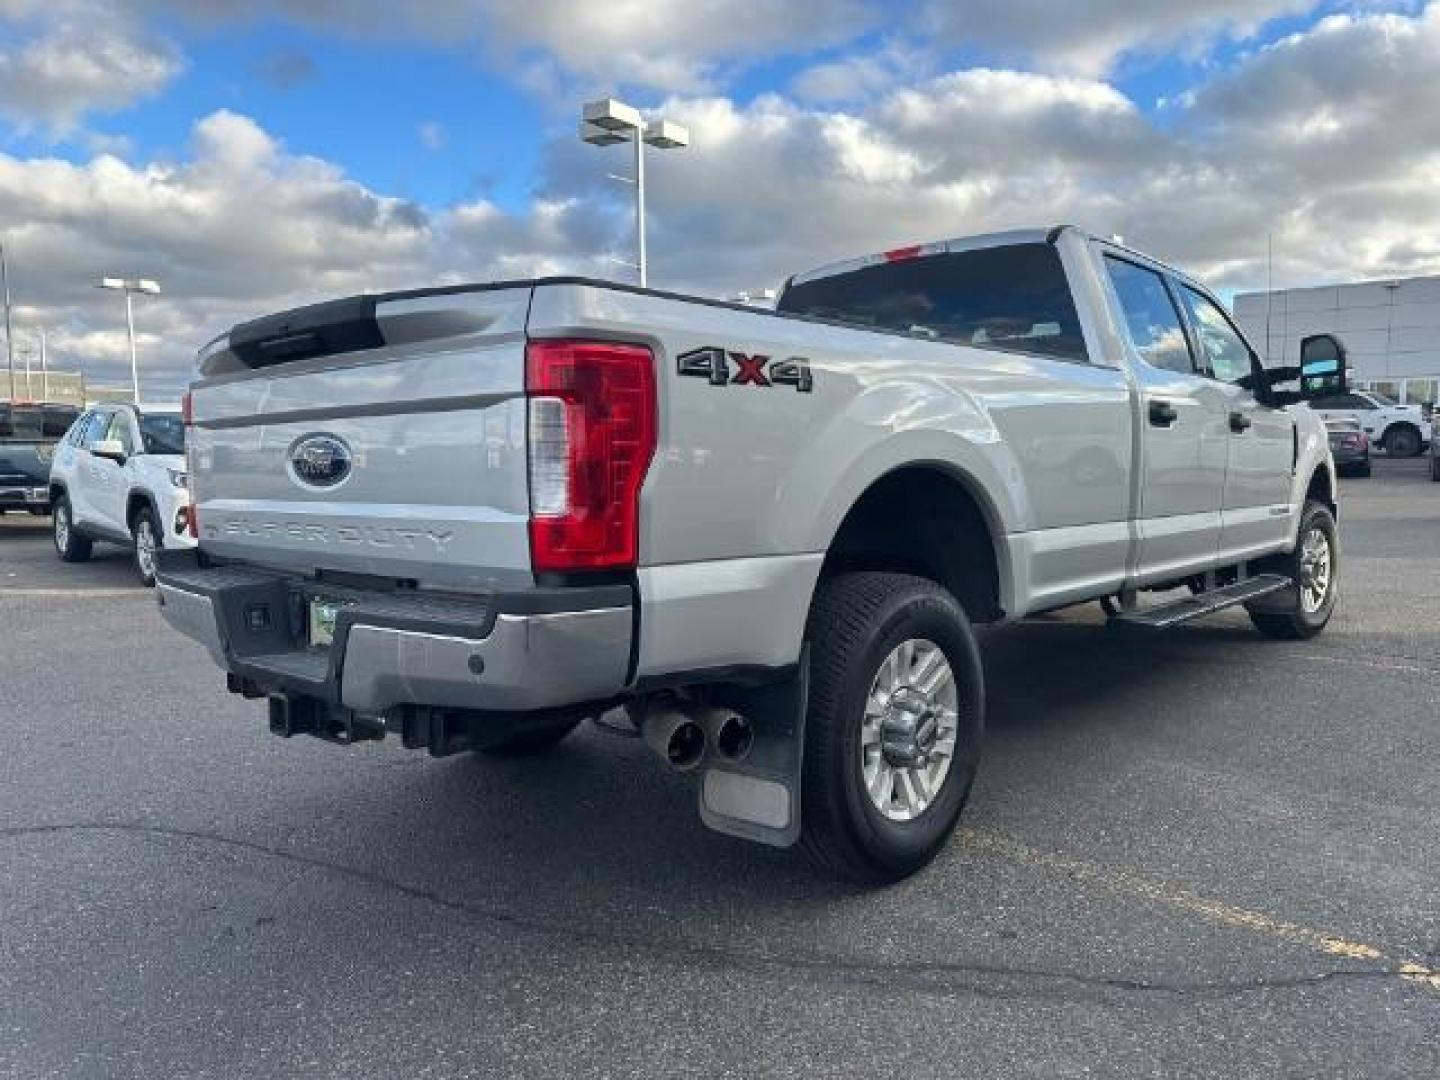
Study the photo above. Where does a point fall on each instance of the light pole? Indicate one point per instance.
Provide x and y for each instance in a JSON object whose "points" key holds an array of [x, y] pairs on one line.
{"points": [[607, 122], [131, 286], [9, 336]]}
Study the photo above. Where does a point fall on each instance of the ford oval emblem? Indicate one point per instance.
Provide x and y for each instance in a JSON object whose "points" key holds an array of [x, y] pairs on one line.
{"points": [[320, 461]]}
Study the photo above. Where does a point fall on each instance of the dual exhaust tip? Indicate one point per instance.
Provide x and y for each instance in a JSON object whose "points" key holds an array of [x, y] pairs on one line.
{"points": [[686, 733]]}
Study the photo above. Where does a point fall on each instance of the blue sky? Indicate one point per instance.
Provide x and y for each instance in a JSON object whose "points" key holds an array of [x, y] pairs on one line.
{"points": [[265, 153]]}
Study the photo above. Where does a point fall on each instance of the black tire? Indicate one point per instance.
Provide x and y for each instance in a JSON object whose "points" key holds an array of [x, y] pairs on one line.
{"points": [[532, 741], [1403, 441], [1363, 471], [1299, 624], [40, 511], [69, 545], [855, 623], [145, 519]]}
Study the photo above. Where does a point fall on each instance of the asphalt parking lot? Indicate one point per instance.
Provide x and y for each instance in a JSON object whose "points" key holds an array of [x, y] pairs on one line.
{"points": [[1196, 854]]}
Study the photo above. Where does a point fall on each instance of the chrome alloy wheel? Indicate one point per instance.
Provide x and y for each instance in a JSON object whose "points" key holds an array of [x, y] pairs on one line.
{"points": [[907, 740], [62, 527], [1316, 570], [145, 548]]}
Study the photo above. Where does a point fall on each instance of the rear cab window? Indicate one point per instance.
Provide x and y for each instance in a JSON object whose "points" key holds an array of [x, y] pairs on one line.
{"points": [[1014, 298]]}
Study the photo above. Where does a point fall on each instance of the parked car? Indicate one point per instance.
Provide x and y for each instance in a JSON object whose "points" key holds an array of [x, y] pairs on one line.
{"points": [[1435, 447], [1349, 446], [119, 476], [473, 516], [1400, 430], [29, 433]]}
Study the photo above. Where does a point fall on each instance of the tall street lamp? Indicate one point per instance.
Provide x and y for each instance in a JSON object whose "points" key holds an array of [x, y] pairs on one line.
{"points": [[607, 122], [131, 286]]}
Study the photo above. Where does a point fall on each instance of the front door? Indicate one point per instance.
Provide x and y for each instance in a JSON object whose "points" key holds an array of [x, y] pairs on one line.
{"points": [[1182, 420], [1256, 516]]}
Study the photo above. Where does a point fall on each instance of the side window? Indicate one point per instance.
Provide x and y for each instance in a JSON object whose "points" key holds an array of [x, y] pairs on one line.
{"points": [[119, 431], [76, 437], [1224, 351], [1151, 315], [95, 429], [1325, 403]]}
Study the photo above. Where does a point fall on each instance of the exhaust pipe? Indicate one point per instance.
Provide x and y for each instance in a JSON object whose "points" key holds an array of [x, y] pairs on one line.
{"points": [[673, 735], [727, 732]]}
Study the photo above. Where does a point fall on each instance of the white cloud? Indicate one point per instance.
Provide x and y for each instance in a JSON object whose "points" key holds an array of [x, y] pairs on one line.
{"points": [[73, 57], [1087, 38]]}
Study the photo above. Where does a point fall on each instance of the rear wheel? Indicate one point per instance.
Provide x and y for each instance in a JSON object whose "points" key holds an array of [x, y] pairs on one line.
{"points": [[1314, 568], [146, 538], [1402, 440], [893, 728], [69, 544]]}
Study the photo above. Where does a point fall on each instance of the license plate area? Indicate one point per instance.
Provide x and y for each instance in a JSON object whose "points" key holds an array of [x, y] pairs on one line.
{"points": [[322, 613]]}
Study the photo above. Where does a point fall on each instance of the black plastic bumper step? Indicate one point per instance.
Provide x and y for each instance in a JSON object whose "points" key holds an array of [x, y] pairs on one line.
{"points": [[1207, 603]]}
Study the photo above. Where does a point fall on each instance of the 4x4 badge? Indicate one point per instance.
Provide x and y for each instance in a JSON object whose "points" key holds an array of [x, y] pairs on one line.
{"points": [[714, 365]]}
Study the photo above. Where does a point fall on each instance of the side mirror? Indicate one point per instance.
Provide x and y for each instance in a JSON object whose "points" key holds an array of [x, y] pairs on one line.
{"points": [[110, 449], [1322, 367], [1321, 372]]}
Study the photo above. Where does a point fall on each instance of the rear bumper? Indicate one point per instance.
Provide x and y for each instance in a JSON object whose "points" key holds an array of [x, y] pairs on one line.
{"points": [[516, 652]]}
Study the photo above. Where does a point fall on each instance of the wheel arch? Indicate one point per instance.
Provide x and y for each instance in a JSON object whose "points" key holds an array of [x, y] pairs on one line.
{"points": [[1321, 487], [934, 520], [137, 498]]}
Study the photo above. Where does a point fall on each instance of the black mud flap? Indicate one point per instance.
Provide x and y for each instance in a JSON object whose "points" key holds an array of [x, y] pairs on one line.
{"points": [[759, 798]]}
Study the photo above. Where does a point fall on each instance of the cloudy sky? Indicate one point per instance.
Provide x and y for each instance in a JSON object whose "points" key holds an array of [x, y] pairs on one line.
{"points": [[257, 154]]}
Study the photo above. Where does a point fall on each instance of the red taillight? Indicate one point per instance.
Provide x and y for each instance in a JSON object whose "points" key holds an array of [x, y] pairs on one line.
{"points": [[591, 435], [192, 513]]}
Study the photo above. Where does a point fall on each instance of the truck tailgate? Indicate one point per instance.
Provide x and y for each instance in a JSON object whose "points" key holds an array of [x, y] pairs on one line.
{"points": [[381, 438]]}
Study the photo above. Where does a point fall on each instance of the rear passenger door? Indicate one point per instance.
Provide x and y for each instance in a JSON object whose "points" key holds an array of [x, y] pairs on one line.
{"points": [[82, 482], [112, 482], [1183, 426]]}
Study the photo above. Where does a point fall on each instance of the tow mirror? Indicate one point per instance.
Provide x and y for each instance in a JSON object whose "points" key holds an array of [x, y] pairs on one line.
{"points": [[1320, 373], [110, 449], [1322, 367]]}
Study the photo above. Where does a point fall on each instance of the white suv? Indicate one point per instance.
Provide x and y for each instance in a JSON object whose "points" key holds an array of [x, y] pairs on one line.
{"points": [[119, 475], [1400, 429]]}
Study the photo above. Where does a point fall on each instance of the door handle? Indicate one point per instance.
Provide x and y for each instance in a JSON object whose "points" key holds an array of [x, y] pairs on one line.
{"points": [[1162, 414], [1240, 423]]}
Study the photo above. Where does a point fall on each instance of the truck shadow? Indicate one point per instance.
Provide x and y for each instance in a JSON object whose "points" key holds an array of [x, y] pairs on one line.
{"points": [[601, 818]]}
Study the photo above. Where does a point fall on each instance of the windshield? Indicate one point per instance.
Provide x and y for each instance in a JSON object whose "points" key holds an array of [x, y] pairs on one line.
{"points": [[162, 434]]}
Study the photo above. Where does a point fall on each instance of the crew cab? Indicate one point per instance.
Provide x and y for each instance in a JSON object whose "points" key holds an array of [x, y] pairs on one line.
{"points": [[473, 516], [1399, 429], [29, 432], [119, 476]]}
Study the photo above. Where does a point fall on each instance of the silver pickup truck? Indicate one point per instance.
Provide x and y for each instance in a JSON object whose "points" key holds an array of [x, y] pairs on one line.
{"points": [[474, 516]]}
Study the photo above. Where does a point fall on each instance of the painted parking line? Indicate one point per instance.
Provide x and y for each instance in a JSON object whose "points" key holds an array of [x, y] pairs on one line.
{"points": [[1194, 903]]}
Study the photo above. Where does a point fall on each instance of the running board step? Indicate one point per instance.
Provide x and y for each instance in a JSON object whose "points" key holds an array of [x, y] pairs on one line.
{"points": [[1207, 603]]}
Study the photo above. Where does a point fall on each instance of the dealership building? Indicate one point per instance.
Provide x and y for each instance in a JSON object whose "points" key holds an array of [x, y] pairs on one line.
{"points": [[1391, 330]]}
